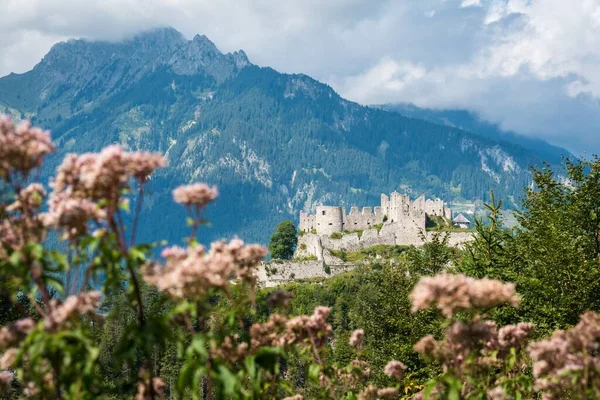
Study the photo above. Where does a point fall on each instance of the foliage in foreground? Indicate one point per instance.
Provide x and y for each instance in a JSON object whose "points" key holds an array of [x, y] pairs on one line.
{"points": [[193, 315]]}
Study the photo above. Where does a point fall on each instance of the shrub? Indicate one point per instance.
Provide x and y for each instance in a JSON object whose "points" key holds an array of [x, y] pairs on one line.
{"points": [[336, 235]]}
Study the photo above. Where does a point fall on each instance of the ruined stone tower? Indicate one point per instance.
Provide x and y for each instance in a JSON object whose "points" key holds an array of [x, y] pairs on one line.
{"points": [[329, 220]]}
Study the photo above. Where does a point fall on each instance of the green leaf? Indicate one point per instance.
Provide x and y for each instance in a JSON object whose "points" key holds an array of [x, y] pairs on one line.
{"points": [[228, 379], [314, 372]]}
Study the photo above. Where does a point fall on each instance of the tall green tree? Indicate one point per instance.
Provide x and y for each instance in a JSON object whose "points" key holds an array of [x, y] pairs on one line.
{"points": [[553, 255], [283, 241]]}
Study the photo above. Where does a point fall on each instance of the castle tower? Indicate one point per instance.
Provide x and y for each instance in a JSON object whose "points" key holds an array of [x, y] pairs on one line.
{"points": [[329, 220]]}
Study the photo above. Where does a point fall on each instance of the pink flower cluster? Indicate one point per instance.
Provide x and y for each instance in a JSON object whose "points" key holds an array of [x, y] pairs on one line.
{"points": [[357, 338], [101, 176], [8, 358], [144, 391], [190, 273], [197, 195], [312, 329], [453, 293], [11, 239], [28, 199], [83, 303], [372, 393], [13, 334], [88, 185], [71, 214], [279, 331], [394, 369], [22, 148], [569, 360], [231, 350], [6, 378], [475, 342]]}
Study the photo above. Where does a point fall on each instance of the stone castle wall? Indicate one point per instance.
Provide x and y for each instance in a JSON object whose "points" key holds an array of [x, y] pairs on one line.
{"points": [[280, 272], [277, 273], [390, 234], [398, 208]]}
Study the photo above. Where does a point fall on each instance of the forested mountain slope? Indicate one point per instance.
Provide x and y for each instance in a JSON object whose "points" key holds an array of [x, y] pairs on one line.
{"points": [[470, 122], [274, 143]]}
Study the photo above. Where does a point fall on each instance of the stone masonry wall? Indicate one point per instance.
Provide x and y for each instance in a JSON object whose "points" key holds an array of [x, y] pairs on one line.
{"points": [[276, 273]]}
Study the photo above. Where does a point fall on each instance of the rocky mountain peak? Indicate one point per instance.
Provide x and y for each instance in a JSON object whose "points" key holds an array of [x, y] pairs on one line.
{"points": [[201, 55], [240, 58]]}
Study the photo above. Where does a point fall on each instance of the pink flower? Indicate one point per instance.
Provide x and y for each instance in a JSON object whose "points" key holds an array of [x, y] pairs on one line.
{"points": [[83, 303], [71, 214], [514, 335], [22, 148], [12, 334], [6, 378], [394, 369], [193, 272], [29, 198], [559, 360], [357, 338], [198, 195], [141, 164], [8, 358], [150, 389], [369, 393], [453, 293], [387, 393], [427, 346]]}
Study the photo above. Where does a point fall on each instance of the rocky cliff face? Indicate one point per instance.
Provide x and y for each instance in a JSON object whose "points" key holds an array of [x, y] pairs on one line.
{"points": [[274, 143]]}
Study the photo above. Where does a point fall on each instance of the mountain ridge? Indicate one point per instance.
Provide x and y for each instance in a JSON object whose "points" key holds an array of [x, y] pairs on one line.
{"points": [[471, 122], [274, 143]]}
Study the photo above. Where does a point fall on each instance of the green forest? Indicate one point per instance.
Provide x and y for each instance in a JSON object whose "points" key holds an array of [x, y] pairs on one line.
{"points": [[274, 143], [515, 314]]}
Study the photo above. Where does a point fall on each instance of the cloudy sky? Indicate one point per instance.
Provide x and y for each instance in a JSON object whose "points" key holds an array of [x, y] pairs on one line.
{"points": [[530, 65]]}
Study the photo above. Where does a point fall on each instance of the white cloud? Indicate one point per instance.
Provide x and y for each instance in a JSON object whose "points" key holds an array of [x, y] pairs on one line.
{"points": [[531, 65]]}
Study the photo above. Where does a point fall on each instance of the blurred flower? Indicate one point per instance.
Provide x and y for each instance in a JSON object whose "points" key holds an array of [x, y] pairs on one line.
{"points": [[71, 215], [83, 303], [192, 272], [569, 360], [497, 393], [6, 378], [394, 369], [514, 336], [8, 358], [147, 390], [28, 199], [279, 298], [369, 393], [140, 165], [357, 338], [12, 334], [453, 293], [387, 393], [22, 148], [198, 195]]}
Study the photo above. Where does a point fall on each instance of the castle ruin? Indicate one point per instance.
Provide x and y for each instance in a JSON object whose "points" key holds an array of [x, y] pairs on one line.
{"points": [[397, 221], [396, 209]]}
